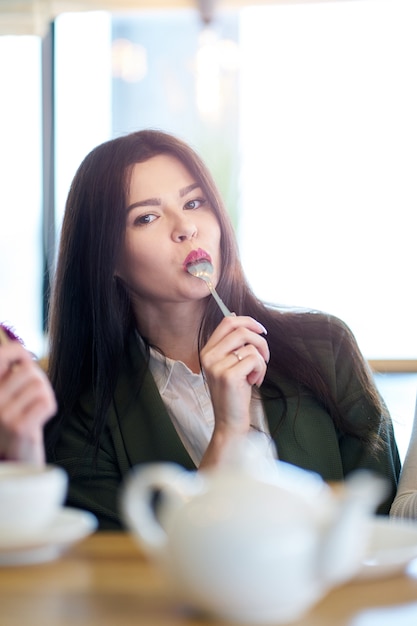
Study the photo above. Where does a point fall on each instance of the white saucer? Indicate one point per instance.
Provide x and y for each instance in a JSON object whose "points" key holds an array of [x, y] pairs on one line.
{"points": [[393, 545], [69, 526]]}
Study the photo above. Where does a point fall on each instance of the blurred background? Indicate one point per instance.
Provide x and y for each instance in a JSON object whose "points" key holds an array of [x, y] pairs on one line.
{"points": [[303, 110]]}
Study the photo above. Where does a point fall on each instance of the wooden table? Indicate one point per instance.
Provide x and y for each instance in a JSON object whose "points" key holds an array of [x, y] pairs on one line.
{"points": [[105, 581]]}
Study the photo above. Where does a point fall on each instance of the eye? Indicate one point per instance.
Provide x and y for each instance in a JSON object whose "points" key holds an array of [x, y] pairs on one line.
{"points": [[142, 220], [195, 204]]}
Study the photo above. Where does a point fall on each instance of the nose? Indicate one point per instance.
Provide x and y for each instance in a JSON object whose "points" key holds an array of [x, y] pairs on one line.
{"points": [[184, 228]]}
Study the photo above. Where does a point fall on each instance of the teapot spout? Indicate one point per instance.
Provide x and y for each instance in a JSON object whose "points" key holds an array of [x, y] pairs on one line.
{"points": [[347, 537]]}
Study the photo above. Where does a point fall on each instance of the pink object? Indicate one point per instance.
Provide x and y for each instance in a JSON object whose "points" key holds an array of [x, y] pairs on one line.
{"points": [[195, 256], [11, 335]]}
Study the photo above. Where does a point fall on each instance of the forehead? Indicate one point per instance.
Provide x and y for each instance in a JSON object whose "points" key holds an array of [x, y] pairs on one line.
{"points": [[159, 175]]}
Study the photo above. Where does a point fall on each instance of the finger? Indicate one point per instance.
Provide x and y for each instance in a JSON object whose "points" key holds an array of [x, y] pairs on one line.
{"points": [[15, 384], [233, 341], [32, 409], [232, 323], [27, 398], [250, 363], [243, 337], [11, 353]]}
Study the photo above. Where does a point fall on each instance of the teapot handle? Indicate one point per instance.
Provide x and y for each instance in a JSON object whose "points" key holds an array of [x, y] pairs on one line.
{"points": [[347, 540], [137, 501]]}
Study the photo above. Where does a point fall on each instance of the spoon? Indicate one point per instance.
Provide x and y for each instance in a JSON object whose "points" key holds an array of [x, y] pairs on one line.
{"points": [[203, 269]]}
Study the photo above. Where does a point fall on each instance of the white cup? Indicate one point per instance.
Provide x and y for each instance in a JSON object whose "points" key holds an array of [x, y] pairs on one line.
{"points": [[30, 497]]}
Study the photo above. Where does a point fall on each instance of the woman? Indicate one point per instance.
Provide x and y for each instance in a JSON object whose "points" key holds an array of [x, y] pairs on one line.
{"points": [[26, 402], [145, 367], [405, 502]]}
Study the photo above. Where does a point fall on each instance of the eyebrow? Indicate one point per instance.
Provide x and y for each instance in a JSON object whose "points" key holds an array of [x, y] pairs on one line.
{"points": [[157, 201]]}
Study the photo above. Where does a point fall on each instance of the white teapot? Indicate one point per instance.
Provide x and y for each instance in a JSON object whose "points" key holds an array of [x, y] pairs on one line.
{"points": [[255, 541]]}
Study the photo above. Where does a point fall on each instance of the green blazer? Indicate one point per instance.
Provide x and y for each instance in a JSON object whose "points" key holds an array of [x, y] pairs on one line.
{"points": [[139, 430]]}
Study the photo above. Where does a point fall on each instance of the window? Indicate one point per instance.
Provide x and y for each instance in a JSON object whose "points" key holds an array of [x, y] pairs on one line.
{"points": [[328, 139], [21, 258]]}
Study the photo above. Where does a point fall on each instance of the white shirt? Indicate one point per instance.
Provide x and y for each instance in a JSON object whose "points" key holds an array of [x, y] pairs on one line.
{"points": [[188, 402]]}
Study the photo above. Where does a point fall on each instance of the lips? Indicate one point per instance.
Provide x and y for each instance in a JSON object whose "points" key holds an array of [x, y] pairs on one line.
{"points": [[195, 256]]}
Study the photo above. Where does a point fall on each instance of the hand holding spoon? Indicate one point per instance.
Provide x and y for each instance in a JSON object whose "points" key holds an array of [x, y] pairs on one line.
{"points": [[203, 269]]}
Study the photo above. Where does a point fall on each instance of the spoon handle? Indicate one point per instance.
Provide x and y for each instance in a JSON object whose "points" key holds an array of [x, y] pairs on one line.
{"points": [[218, 299]]}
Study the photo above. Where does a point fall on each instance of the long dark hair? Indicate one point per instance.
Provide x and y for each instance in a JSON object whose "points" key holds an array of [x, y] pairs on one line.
{"points": [[90, 312]]}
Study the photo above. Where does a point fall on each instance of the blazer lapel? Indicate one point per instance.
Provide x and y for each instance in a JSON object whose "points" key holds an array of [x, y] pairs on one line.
{"points": [[145, 427]]}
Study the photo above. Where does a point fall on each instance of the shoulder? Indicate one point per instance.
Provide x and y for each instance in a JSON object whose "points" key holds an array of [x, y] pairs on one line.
{"points": [[316, 341], [311, 329]]}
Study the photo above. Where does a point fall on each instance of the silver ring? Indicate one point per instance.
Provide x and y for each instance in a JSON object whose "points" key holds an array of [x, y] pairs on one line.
{"points": [[237, 355]]}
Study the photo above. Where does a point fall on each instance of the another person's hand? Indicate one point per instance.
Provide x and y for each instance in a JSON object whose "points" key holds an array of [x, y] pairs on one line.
{"points": [[26, 403], [234, 359]]}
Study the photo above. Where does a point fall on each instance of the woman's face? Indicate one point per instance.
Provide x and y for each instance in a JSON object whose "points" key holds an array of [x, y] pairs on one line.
{"points": [[167, 218]]}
